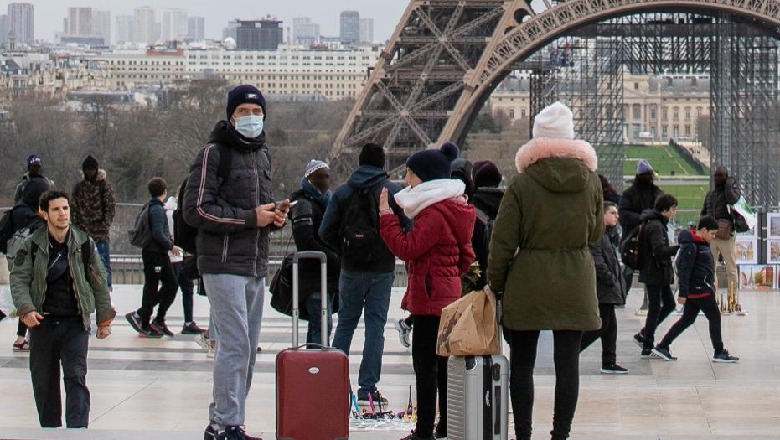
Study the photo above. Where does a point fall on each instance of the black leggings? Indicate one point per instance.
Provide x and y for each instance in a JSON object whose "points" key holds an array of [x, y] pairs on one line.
{"points": [[566, 355], [430, 372], [607, 333]]}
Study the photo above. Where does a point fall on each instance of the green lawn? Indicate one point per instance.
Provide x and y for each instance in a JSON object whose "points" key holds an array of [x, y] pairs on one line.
{"points": [[663, 159]]}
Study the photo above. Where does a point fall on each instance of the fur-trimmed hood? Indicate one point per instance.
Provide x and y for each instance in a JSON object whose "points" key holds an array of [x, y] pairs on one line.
{"points": [[553, 166], [545, 148]]}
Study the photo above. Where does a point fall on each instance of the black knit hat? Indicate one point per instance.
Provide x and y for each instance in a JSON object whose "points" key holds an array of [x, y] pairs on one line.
{"points": [[243, 94], [90, 163], [486, 174], [433, 164], [372, 154]]}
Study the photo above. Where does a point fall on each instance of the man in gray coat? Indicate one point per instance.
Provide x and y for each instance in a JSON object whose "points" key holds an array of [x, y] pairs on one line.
{"points": [[234, 216]]}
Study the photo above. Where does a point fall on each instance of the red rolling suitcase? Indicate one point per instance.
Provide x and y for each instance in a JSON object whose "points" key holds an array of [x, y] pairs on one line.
{"points": [[312, 385]]}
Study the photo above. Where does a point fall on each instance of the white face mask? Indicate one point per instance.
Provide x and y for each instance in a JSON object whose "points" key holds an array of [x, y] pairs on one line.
{"points": [[250, 126]]}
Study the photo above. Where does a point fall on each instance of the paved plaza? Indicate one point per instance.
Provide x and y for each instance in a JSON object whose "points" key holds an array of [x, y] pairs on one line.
{"points": [[160, 389]]}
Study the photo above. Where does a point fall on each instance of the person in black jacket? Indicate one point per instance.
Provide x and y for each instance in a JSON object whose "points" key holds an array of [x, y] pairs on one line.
{"points": [[696, 269], [609, 285], [655, 267], [234, 215], [635, 200], [306, 216], [157, 268], [486, 199]]}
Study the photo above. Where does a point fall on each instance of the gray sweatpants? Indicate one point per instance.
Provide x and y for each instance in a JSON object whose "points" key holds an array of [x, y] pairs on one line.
{"points": [[236, 311]]}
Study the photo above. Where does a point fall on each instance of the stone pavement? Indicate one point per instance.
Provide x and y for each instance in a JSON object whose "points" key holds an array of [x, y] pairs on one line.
{"points": [[160, 389]]}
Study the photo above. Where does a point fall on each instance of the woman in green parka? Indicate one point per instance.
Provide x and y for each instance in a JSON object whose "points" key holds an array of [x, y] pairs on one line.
{"points": [[539, 259]]}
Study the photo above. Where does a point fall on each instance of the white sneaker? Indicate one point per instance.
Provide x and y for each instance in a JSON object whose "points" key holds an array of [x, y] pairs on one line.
{"points": [[404, 332]]}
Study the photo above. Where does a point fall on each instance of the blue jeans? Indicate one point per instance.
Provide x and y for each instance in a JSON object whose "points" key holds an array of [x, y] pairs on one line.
{"points": [[314, 310], [187, 290], [104, 249], [369, 291]]}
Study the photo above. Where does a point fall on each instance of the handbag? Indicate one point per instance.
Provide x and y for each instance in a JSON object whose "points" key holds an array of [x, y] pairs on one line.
{"points": [[281, 287], [724, 229], [469, 326]]}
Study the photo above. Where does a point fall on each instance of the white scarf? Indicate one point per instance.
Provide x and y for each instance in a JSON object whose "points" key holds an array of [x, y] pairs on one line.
{"points": [[414, 200]]}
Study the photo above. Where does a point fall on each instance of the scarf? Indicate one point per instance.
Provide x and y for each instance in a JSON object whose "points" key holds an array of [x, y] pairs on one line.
{"points": [[313, 193], [414, 200]]}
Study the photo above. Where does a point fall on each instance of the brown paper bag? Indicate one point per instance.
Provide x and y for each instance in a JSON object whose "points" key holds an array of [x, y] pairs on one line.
{"points": [[469, 326]]}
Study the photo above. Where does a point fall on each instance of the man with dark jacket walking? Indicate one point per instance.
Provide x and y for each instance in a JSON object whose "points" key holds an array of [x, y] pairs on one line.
{"points": [[157, 268], [364, 284], [636, 199], [609, 288], [34, 172], [94, 207], [306, 217], [655, 267], [234, 216], [56, 283], [716, 203], [696, 268]]}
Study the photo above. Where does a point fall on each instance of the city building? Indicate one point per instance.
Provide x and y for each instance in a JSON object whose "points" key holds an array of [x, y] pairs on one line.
{"points": [[655, 107], [4, 28], [21, 23], [101, 25], [174, 25], [79, 22], [349, 26], [144, 25], [366, 30], [231, 30], [288, 71], [124, 29], [196, 28], [305, 32], [265, 34]]}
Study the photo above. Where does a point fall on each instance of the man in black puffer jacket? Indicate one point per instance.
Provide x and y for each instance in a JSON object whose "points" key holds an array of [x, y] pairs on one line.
{"points": [[696, 267], [306, 217], [234, 216], [486, 199], [655, 267]]}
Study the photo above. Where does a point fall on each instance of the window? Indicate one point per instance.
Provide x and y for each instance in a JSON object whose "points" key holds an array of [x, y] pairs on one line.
{"points": [[512, 113], [637, 110], [665, 114], [665, 131], [636, 86], [652, 113], [523, 113], [687, 113], [688, 130], [676, 131], [676, 113]]}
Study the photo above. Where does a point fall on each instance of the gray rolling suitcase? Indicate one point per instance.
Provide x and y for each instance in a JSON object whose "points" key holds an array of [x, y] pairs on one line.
{"points": [[477, 397]]}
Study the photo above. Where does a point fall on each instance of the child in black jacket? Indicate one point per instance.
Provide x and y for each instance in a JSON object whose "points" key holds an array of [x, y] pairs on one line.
{"points": [[696, 270]]}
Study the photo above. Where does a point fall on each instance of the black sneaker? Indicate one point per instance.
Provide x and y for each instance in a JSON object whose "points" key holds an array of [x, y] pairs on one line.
{"points": [[639, 338], [613, 369], [664, 354], [135, 322], [379, 401], [209, 433], [646, 353], [440, 431], [413, 436], [725, 357], [191, 328], [235, 433], [150, 332], [160, 327]]}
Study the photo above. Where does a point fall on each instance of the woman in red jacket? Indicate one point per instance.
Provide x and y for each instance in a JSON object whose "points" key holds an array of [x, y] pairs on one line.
{"points": [[438, 251]]}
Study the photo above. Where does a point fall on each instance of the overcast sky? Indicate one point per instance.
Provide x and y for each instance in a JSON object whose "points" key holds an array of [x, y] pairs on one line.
{"points": [[49, 14]]}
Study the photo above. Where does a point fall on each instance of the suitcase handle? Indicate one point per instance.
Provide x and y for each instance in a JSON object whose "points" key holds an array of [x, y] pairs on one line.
{"points": [[314, 255]]}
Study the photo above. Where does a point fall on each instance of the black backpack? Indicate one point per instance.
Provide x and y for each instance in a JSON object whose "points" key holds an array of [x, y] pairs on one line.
{"points": [[185, 235], [141, 234], [360, 227], [629, 253]]}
